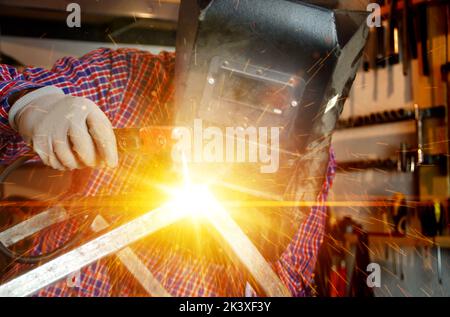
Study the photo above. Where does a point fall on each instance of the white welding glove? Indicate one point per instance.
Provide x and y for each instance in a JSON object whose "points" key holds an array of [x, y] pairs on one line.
{"points": [[66, 132]]}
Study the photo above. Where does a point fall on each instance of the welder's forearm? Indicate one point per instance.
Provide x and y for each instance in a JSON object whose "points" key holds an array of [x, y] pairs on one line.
{"points": [[66, 74], [10, 91], [11, 88], [14, 85]]}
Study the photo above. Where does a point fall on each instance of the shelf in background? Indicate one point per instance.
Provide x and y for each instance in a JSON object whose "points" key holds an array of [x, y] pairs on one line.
{"points": [[402, 241], [390, 116]]}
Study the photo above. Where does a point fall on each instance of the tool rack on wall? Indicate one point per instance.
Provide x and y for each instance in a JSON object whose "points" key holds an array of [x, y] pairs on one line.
{"points": [[407, 160], [408, 32]]}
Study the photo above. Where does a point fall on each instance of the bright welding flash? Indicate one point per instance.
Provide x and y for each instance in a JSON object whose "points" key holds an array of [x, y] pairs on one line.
{"points": [[193, 200]]}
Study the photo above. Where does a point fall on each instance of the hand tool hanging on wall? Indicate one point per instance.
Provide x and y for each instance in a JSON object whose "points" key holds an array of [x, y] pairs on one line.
{"points": [[412, 29], [422, 19], [381, 46], [393, 35], [392, 44], [370, 53], [401, 255], [371, 58], [439, 214], [409, 43], [431, 215], [439, 263], [381, 40], [407, 159], [338, 280], [404, 29], [358, 285]]}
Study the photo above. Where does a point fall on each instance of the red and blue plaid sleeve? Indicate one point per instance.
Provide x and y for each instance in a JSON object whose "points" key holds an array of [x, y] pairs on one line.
{"points": [[102, 75], [11, 81], [296, 265]]}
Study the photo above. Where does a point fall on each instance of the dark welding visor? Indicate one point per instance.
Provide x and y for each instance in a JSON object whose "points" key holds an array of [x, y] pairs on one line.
{"points": [[269, 63]]}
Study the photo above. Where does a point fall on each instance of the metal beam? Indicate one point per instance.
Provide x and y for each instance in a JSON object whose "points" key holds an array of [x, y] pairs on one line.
{"points": [[57, 214], [247, 253], [117, 239], [135, 266], [111, 242], [32, 225]]}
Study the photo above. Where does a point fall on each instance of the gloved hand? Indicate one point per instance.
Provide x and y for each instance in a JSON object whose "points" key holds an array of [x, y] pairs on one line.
{"points": [[67, 132]]}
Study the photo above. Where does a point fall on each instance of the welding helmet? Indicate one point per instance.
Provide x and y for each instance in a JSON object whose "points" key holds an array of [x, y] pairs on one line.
{"points": [[262, 64]]}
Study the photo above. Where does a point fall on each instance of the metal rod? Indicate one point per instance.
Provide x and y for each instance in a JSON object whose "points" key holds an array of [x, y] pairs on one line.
{"points": [[32, 225], [439, 264], [118, 238], [247, 253], [419, 125], [135, 266], [109, 243], [57, 214]]}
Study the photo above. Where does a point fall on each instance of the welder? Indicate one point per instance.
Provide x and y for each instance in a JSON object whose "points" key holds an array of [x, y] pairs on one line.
{"points": [[67, 115]]}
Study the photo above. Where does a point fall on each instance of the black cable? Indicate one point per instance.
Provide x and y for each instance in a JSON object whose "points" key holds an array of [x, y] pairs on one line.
{"points": [[12, 167], [20, 258]]}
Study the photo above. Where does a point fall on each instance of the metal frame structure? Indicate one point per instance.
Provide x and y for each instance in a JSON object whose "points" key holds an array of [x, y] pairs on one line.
{"points": [[116, 241]]}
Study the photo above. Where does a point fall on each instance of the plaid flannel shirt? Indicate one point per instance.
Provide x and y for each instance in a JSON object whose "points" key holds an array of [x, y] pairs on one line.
{"points": [[134, 88]]}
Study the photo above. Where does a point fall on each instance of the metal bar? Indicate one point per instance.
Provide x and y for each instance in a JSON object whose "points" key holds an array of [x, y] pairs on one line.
{"points": [[109, 243], [57, 214], [32, 225], [439, 264], [132, 262], [247, 253], [419, 126], [115, 240]]}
